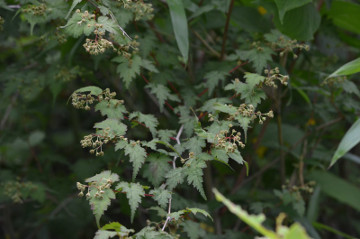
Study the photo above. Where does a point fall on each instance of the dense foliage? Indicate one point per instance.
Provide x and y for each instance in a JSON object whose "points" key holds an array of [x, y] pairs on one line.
{"points": [[127, 118]]}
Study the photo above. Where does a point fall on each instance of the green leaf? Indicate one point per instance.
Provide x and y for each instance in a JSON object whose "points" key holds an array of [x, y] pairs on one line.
{"points": [[162, 93], [249, 91], [287, 5], [36, 137], [195, 145], [148, 65], [255, 221], [345, 15], [213, 79], [112, 109], [300, 23], [157, 168], [349, 68], [108, 24], [75, 29], [296, 231], [165, 134], [126, 70], [101, 234], [99, 204], [187, 118], [350, 139], [174, 177], [152, 233], [194, 174], [193, 230], [94, 90], [73, 5], [258, 57], [149, 120], [137, 155], [236, 156], [220, 155], [198, 210], [134, 192], [115, 127], [337, 188], [103, 177], [162, 196], [179, 23]]}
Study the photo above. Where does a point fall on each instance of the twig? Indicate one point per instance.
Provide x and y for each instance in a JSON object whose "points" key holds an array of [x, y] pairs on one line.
{"points": [[8, 111], [212, 50], [226, 29], [174, 167]]}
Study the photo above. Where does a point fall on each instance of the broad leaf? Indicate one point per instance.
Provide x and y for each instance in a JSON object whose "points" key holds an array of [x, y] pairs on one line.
{"points": [[174, 177], [179, 23], [349, 68], [213, 78], [300, 23], [162, 93], [337, 188], [157, 168], [350, 139], [113, 126], [345, 15], [194, 174], [287, 5], [112, 109]]}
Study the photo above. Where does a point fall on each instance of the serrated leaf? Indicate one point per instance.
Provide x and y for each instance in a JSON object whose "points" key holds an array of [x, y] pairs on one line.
{"points": [[101, 234], [112, 109], [220, 155], [194, 174], [157, 168], [236, 156], [195, 145], [134, 192], [137, 155], [94, 90], [148, 65], [179, 23], [108, 24], [162, 196], [162, 93], [75, 27], [174, 177], [193, 230], [165, 134], [187, 118], [126, 70], [116, 128], [258, 57], [103, 177], [199, 210], [99, 204], [149, 120], [176, 215], [152, 233], [213, 79], [229, 109], [248, 90]]}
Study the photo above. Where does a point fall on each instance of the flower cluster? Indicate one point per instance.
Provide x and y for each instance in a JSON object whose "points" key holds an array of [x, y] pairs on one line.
{"points": [[97, 46], [18, 191], [100, 189], [288, 45], [273, 75], [82, 101], [306, 188], [249, 112], [85, 16], [229, 141], [140, 9], [36, 10]]}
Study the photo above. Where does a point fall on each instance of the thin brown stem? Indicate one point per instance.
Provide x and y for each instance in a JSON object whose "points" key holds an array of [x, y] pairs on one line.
{"points": [[226, 29], [212, 50]]}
